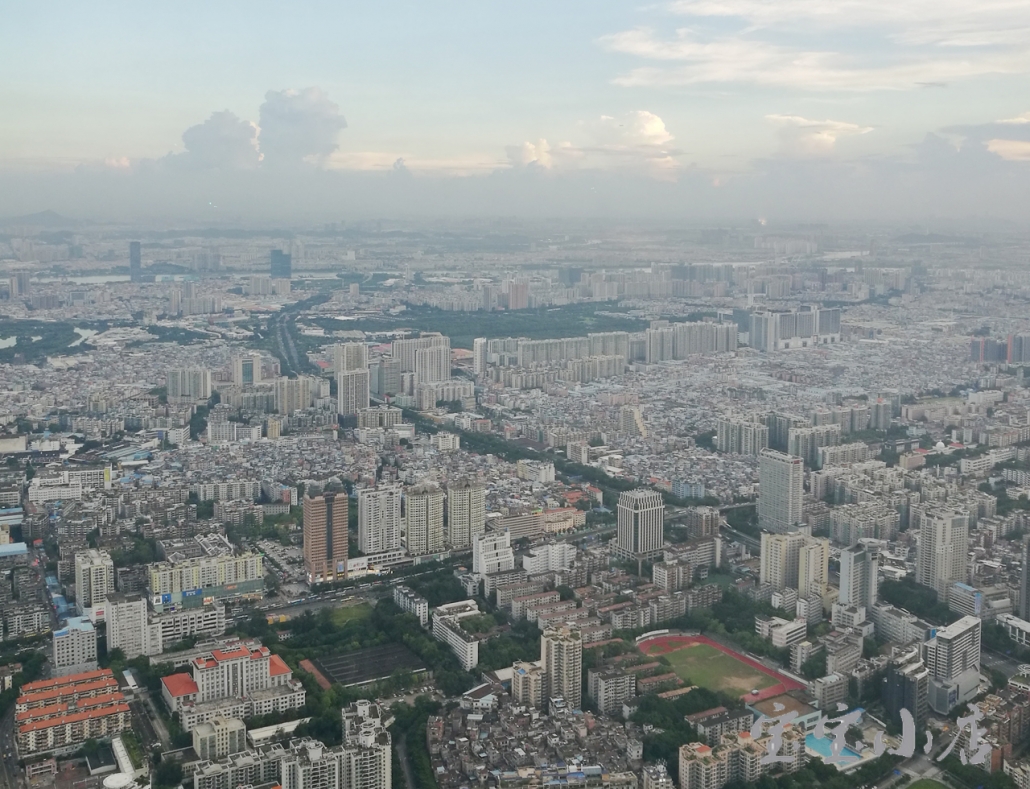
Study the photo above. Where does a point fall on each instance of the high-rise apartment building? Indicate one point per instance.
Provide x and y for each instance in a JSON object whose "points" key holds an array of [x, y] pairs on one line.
{"points": [[325, 536], [352, 392], [219, 737], [527, 684], [780, 491], [368, 743], [813, 567], [295, 394], [432, 364], [741, 436], [561, 655], [466, 512], [480, 356], [942, 556], [379, 519], [1024, 582], [75, 647], [492, 553], [281, 265], [94, 579], [350, 356], [128, 627], [423, 519], [859, 576], [783, 556], [640, 533], [135, 262], [190, 383], [404, 351]]}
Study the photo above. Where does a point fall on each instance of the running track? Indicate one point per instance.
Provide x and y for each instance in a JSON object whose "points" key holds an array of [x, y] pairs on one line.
{"points": [[661, 645]]}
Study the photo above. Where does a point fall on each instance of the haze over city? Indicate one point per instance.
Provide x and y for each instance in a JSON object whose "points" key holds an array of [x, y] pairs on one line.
{"points": [[485, 396]]}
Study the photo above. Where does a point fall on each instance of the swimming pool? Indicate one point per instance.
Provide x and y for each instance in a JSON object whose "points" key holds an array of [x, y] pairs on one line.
{"points": [[824, 747]]}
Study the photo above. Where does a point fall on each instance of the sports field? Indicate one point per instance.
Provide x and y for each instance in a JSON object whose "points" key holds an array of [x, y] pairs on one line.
{"points": [[708, 667], [716, 667]]}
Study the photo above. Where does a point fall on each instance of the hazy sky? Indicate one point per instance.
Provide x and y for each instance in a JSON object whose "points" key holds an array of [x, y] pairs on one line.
{"points": [[718, 107]]}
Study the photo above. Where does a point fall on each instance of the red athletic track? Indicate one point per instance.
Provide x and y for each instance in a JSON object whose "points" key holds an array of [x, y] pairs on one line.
{"points": [[661, 645]]}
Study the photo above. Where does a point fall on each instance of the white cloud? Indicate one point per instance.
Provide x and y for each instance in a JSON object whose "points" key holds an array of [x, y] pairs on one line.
{"points": [[1018, 120], [299, 124], [1011, 150], [801, 137], [386, 161], [743, 58], [530, 153], [636, 141], [945, 22]]}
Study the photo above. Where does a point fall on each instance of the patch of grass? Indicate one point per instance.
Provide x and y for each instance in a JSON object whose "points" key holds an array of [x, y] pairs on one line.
{"points": [[926, 783], [711, 668], [725, 580], [345, 614]]}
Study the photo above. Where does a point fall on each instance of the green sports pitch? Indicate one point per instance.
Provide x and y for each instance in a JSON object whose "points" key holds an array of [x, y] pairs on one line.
{"points": [[704, 665]]}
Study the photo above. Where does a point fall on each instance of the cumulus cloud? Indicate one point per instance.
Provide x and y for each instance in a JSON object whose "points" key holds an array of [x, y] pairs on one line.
{"points": [[223, 141], [801, 137], [298, 125], [530, 153], [636, 141]]}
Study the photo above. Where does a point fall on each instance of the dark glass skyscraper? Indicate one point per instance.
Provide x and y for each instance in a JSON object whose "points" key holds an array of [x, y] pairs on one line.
{"points": [[135, 262], [282, 265]]}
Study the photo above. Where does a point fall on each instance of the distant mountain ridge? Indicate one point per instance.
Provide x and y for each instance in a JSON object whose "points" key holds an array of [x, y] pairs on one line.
{"points": [[46, 218]]}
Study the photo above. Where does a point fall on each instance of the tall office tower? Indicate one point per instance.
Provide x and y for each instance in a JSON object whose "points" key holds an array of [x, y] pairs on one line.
{"points": [[953, 659], [942, 554], [388, 380], [492, 553], [379, 519], [351, 391], [94, 578], [466, 512], [479, 355], [561, 654], [404, 350], [75, 647], [325, 536], [433, 364], [781, 555], [368, 740], [350, 356], [135, 262], [295, 394], [641, 532], [813, 567], [246, 370], [780, 491], [1024, 582], [907, 685], [193, 383], [859, 576], [282, 265], [127, 626], [423, 519]]}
